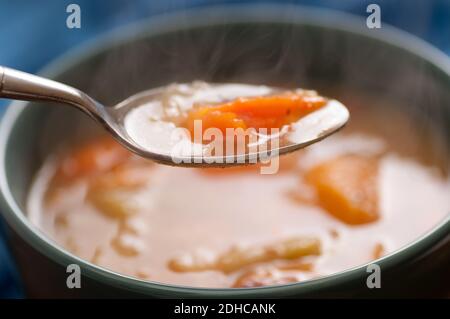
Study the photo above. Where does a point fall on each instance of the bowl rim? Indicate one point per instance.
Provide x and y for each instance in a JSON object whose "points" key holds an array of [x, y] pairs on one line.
{"points": [[204, 17]]}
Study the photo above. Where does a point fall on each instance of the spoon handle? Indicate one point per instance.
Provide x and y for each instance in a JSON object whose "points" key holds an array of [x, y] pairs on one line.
{"points": [[19, 85]]}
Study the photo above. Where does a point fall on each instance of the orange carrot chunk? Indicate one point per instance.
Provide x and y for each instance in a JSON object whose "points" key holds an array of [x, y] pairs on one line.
{"points": [[97, 156], [273, 111], [214, 119], [346, 187]]}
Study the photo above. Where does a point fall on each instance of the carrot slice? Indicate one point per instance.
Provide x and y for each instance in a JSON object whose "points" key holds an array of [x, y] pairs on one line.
{"points": [[214, 119], [273, 111]]}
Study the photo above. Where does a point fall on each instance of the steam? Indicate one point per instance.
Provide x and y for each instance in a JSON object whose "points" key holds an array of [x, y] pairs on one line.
{"points": [[284, 53]]}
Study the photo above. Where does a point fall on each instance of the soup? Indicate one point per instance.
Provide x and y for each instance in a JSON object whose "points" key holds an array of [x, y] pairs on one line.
{"points": [[348, 200]]}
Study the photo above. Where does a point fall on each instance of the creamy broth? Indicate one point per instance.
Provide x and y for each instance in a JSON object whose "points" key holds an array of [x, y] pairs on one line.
{"points": [[198, 214]]}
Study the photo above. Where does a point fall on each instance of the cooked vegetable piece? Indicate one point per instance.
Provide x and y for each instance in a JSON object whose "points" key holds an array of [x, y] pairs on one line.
{"points": [[127, 245], [277, 274], [273, 111], [126, 176], [237, 258], [114, 204], [296, 265], [378, 251], [112, 193], [264, 277], [94, 157], [214, 118], [347, 188]]}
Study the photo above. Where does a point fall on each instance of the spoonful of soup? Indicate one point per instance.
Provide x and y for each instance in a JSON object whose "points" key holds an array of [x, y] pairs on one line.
{"points": [[195, 124]]}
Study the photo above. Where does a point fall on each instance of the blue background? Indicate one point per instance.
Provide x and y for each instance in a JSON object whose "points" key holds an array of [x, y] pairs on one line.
{"points": [[32, 33]]}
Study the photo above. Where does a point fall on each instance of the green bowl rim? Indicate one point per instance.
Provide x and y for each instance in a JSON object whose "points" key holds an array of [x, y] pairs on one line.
{"points": [[204, 17]]}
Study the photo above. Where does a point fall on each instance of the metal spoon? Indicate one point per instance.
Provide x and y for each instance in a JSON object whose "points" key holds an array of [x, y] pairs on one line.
{"points": [[19, 85]]}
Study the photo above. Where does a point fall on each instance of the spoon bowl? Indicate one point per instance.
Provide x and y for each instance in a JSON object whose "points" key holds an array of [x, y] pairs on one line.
{"points": [[158, 142]]}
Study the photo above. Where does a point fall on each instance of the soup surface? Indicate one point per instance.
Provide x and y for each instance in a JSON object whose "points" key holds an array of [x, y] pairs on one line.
{"points": [[352, 198]]}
